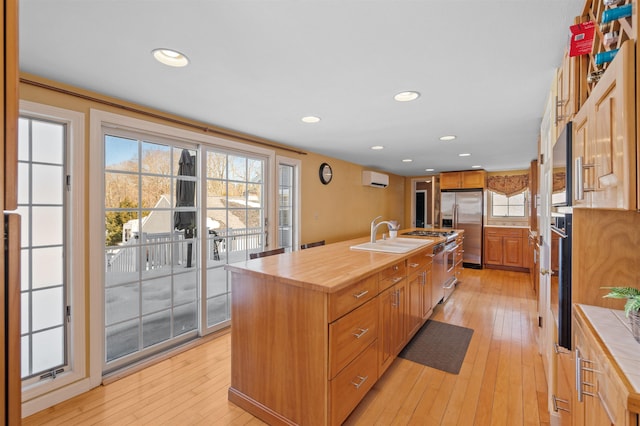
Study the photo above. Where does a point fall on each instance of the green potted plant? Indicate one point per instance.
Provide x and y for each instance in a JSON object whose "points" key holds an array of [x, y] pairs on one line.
{"points": [[631, 308]]}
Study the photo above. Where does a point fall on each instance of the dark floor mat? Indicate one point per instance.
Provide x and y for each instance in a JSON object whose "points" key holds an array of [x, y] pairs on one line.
{"points": [[439, 345]]}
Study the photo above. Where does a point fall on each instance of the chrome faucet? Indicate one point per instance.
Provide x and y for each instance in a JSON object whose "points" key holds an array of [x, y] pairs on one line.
{"points": [[374, 227]]}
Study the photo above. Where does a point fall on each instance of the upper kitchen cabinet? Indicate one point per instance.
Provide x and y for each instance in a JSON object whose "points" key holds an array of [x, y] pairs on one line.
{"points": [[472, 179], [604, 145], [9, 105], [566, 92]]}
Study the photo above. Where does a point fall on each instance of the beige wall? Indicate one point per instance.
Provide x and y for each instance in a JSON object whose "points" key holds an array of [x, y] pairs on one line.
{"points": [[341, 210]]}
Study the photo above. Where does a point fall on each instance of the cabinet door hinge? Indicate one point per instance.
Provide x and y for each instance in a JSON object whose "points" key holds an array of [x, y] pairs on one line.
{"points": [[68, 310]]}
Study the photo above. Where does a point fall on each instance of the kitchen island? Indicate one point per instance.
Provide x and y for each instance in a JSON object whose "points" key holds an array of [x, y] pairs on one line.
{"points": [[313, 330]]}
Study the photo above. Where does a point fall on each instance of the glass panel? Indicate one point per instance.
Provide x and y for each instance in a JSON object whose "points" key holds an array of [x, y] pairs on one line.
{"points": [[121, 190], [156, 328], [121, 227], [25, 350], [122, 339], [217, 192], [254, 220], [254, 197], [47, 226], [47, 184], [123, 265], [156, 158], [25, 183], [237, 192], [237, 218], [254, 170], [216, 165], [516, 211], [216, 282], [48, 142], [23, 139], [185, 318], [156, 295], [499, 199], [188, 169], [237, 168], [499, 210], [120, 153], [48, 349], [47, 268], [121, 302], [47, 308], [185, 288], [25, 312], [217, 310], [156, 192], [25, 270]]}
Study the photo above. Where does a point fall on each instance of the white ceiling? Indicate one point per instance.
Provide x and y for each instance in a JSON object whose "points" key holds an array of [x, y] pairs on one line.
{"points": [[483, 67]]}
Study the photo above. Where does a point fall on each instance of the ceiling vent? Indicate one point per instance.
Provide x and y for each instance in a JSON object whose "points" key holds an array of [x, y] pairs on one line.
{"points": [[375, 179]]}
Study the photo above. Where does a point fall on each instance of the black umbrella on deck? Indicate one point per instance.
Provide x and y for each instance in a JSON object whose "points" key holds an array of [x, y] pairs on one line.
{"points": [[185, 197]]}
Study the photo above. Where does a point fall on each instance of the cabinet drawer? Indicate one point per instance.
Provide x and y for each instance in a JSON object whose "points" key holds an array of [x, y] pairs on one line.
{"points": [[392, 275], [505, 232], [352, 384], [419, 261], [351, 297], [351, 334]]}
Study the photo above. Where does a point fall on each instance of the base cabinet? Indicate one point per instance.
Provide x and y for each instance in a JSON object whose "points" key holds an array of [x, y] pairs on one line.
{"points": [[602, 395], [506, 247]]}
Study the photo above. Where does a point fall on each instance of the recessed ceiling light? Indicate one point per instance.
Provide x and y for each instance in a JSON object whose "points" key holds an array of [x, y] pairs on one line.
{"points": [[310, 119], [407, 160], [429, 170], [447, 138], [377, 147], [406, 96], [170, 57], [466, 154], [476, 167]]}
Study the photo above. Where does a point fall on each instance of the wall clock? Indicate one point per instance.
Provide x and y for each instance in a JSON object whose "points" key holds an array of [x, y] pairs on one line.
{"points": [[326, 174]]}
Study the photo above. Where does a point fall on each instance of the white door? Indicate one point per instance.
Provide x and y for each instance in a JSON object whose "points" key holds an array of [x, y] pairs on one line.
{"points": [[544, 228]]}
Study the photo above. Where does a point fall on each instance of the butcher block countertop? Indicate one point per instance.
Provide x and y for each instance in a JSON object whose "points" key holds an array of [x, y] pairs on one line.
{"points": [[329, 268]]}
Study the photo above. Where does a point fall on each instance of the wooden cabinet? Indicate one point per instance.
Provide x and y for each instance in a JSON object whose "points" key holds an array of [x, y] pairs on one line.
{"points": [[419, 283], [604, 147], [603, 394], [506, 248], [459, 257], [392, 333], [471, 179], [566, 91]]}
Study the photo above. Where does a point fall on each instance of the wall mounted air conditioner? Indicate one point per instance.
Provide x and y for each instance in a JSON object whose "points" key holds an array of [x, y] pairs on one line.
{"points": [[375, 179]]}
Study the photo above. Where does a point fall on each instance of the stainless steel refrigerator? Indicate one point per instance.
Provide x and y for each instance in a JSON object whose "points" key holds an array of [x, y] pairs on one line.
{"points": [[464, 210]]}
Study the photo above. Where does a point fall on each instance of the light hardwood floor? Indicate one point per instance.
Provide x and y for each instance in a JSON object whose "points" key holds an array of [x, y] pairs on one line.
{"points": [[501, 382]]}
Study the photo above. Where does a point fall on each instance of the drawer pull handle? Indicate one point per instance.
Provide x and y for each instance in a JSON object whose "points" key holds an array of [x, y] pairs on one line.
{"points": [[429, 254], [556, 407], [397, 279], [396, 267], [362, 380], [362, 293], [362, 332], [414, 265]]}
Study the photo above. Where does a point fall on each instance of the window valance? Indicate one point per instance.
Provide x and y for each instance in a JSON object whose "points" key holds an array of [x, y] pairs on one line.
{"points": [[508, 185]]}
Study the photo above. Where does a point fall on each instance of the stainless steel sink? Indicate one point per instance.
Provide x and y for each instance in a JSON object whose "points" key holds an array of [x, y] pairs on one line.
{"points": [[395, 245]]}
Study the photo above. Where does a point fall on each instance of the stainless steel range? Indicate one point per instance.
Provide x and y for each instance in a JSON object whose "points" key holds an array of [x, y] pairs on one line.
{"points": [[444, 263], [449, 235]]}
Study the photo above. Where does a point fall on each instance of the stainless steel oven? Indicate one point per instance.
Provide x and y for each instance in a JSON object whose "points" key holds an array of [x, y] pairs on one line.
{"points": [[450, 261], [562, 225]]}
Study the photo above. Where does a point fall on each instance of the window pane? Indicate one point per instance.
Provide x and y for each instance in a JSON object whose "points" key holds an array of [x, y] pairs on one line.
{"points": [[120, 153], [156, 328], [47, 267], [48, 308], [24, 146], [516, 211], [185, 288], [500, 210], [237, 168], [47, 226], [25, 183], [156, 295], [216, 165], [185, 318], [48, 142], [47, 184], [156, 158], [499, 199], [121, 339], [48, 349], [121, 303]]}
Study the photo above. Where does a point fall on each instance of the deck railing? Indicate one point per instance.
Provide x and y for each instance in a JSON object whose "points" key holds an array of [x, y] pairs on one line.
{"points": [[148, 251]]}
